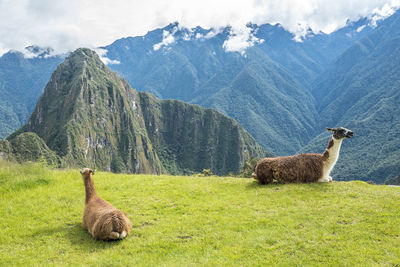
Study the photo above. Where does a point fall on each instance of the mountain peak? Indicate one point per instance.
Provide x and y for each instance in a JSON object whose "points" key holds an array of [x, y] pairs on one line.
{"points": [[84, 56], [89, 116]]}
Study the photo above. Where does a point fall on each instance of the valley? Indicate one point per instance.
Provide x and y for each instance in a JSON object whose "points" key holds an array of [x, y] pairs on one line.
{"points": [[282, 91]]}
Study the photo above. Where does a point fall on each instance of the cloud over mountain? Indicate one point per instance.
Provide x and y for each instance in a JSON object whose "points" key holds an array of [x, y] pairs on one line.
{"points": [[67, 24]]}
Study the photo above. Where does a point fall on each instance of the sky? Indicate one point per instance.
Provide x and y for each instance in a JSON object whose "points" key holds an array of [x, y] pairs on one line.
{"points": [[65, 25]]}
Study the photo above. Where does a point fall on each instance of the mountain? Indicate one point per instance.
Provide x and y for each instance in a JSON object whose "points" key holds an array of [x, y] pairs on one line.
{"points": [[190, 138], [283, 90], [28, 146], [89, 116], [308, 57], [361, 91], [393, 181], [269, 102], [252, 89], [22, 81], [267, 89], [192, 65]]}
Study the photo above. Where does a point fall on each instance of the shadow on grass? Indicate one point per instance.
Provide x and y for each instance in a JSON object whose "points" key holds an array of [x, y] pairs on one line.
{"points": [[81, 237], [277, 186], [76, 235], [257, 185]]}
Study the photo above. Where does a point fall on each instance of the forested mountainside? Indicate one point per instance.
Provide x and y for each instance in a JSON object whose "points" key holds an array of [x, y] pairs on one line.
{"points": [[89, 116], [361, 90], [22, 81], [266, 89]]}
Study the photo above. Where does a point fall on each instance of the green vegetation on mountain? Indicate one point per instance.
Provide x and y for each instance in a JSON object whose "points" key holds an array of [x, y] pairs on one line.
{"points": [[28, 146], [361, 91], [269, 103], [21, 82], [197, 221], [89, 116], [191, 138], [393, 181], [254, 90], [283, 92]]}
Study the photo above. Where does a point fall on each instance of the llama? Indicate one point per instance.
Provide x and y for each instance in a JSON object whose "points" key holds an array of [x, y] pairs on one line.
{"points": [[303, 168], [100, 218]]}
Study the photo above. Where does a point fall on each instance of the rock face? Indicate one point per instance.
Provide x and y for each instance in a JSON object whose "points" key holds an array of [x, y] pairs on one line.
{"points": [[89, 116], [189, 138]]}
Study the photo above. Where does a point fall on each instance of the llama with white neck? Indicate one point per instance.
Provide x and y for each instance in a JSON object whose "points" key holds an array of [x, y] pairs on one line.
{"points": [[303, 168]]}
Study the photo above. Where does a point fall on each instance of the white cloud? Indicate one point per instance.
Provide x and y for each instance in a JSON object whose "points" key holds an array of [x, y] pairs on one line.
{"points": [[212, 33], [103, 56], [302, 31], [199, 36], [3, 50], [386, 11], [168, 38], [68, 24], [359, 29], [187, 37], [240, 40]]}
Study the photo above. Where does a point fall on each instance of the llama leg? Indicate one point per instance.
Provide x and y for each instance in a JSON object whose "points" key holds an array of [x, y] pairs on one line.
{"points": [[323, 180], [123, 235], [114, 235]]}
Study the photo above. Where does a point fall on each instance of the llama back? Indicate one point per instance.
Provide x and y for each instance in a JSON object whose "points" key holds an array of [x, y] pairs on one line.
{"points": [[290, 169], [287, 168]]}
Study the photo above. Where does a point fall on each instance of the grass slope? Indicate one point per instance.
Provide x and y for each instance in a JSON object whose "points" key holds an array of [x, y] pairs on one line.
{"points": [[197, 221]]}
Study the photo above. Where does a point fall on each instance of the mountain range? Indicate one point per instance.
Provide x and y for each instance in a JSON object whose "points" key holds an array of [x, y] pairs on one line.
{"points": [[89, 116], [361, 90], [283, 91], [267, 90], [22, 81]]}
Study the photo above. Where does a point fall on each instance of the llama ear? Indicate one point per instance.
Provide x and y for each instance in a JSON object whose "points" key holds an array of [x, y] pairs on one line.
{"points": [[330, 129]]}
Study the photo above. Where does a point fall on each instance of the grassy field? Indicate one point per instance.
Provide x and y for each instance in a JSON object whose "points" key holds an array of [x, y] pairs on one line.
{"points": [[203, 221]]}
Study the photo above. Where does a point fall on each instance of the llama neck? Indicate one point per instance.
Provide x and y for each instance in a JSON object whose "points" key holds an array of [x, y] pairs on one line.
{"points": [[331, 154], [90, 190]]}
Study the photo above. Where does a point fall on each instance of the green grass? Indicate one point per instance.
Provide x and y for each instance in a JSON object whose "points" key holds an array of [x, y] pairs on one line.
{"points": [[203, 221]]}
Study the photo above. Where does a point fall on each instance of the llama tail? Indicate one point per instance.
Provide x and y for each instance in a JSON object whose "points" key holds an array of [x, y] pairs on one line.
{"points": [[120, 225]]}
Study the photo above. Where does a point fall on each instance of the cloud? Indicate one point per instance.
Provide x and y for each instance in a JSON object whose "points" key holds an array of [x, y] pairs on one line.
{"points": [[168, 38], [66, 25], [103, 56], [240, 40], [359, 29], [386, 11]]}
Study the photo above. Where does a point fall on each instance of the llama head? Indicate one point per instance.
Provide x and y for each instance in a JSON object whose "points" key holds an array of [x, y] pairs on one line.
{"points": [[86, 172], [341, 132]]}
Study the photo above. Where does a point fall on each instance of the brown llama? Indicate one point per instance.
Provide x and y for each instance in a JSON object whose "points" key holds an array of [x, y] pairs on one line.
{"points": [[100, 218], [303, 168]]}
